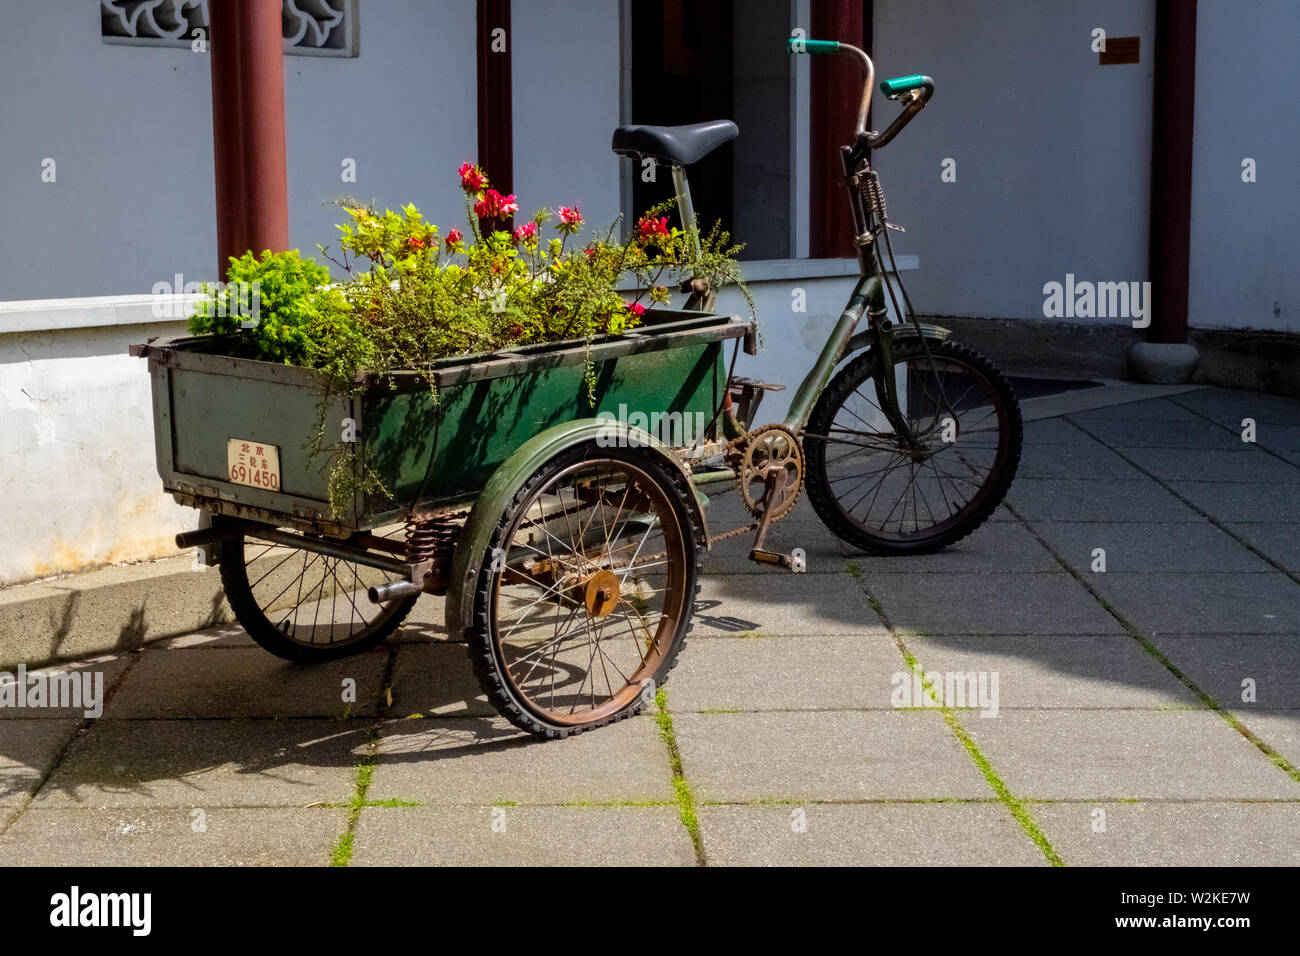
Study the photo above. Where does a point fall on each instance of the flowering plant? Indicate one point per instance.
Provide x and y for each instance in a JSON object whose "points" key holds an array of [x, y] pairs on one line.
{"points": [[411, 295]]}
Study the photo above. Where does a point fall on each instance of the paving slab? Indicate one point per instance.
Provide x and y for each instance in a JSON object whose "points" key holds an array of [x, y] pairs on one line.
{"points": [[209, 763], [1219, 663], [1143, 546], [1043, 499], [219, 637], [436, 679], [522, 836], [871, 834], [247, 682], [136, 837], [1055, 431], [1124, 754], [1281, 542], [1172, 834], [1092, 461], [782, 604], [28, 749], [1279, 729], [1058, 672], [994, 546], [971, 603], [1123, 434], [786, 673], [79, 687], [426, 622], [482, 762], [1243, 463], [1159, 602], [1232, 501], [1230, 406], [1155, 410], [829, 755]]}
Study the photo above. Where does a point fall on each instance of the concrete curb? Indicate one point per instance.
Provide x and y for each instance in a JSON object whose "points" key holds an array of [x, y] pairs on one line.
{"points": [[107, 610]]}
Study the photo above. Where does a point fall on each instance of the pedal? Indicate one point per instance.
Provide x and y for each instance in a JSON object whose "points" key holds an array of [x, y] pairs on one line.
{"points": [[796, 561]]}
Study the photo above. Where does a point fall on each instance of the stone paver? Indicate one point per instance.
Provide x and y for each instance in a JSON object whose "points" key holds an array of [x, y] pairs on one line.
{"points": [[1280, 729], [995, 546], [80, 688], [782, 604], [873, 834], [1234, 501], [1085, 673], [892, 755], [1144, 546], [247, 682], [1085, 499], [481, 762], [209, 763], [1243, 463], [435, 679], [1058, 755], [1172, 834], [1163, 603], [974, 603], [139, 837], [28, 749], [786, 673], [1220, 663], [523, 836], [1280, 542]]}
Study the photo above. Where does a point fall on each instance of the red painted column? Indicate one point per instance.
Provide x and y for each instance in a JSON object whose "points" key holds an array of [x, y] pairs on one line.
{"points": [[1171, 168], [248, 128], [495, 110], [836, 92]]}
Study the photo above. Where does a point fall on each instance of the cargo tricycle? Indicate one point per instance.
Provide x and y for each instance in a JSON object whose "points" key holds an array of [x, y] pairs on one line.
{"points": [[557, 494]]}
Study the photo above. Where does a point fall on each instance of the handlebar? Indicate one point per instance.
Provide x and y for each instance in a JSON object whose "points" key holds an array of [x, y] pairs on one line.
{"points": [[917, 88]]}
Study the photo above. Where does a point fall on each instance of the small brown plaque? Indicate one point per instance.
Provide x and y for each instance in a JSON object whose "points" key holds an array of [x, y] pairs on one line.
{"points": [[1120, 50]]}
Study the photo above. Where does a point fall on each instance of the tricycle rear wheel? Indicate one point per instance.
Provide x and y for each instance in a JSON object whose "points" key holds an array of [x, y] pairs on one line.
{"points": [[305, 606], [584, 597]]}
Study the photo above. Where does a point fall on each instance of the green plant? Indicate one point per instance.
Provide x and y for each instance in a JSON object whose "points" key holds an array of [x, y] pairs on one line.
{"points": [[273, 304]]}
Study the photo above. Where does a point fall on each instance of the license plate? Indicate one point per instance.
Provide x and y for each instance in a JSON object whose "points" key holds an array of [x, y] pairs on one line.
{"points": [[255, 464]]}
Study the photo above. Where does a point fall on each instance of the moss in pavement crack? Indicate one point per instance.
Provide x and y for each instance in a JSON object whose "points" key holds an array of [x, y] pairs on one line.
{"points": [[342, 854], [682, 789]]}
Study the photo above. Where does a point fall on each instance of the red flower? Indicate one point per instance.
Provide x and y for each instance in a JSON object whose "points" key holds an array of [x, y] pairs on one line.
{"points": [[416, 242], [570, 216], [472, 179], [493, 205], [636, 308], [525, 233], [652, 229], [453, 239]]}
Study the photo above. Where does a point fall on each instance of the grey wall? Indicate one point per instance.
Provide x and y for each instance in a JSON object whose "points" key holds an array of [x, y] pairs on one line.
{"points": [[566, 105], [1052, 150], [1244, 235], [130, 129]]}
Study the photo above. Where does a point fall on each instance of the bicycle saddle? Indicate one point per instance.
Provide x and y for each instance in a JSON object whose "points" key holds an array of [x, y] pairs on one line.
{"points": [[676, 145]]}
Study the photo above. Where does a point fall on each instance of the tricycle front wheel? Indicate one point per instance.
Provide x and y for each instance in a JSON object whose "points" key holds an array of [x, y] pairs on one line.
{"points": [[585, 594], [302, 605]]}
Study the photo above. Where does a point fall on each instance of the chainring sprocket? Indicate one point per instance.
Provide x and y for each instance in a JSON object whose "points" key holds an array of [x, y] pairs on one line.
{"points": [[766, 447]]}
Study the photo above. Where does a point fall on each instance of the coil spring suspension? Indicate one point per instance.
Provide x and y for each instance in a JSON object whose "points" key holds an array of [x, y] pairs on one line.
{"points": [[875, 196], [428, 539]]}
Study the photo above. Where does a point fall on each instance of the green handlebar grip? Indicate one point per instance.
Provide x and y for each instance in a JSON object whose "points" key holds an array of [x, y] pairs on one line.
{"points": [[798, 45], [904, 84]]}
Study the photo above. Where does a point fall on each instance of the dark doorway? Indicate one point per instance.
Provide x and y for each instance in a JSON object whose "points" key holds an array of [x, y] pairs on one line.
{"points": [[682, 73]]}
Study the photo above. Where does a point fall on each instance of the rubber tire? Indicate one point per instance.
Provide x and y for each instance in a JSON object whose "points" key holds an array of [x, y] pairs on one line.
{"points": [[482, 654], [860, 370], [234, 578]]}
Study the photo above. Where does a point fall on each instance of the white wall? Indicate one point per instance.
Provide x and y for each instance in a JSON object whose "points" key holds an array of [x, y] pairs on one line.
{"points": [[130, 129], [80, 482], [1053, 151], [566, 104], [1244, 246]]}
